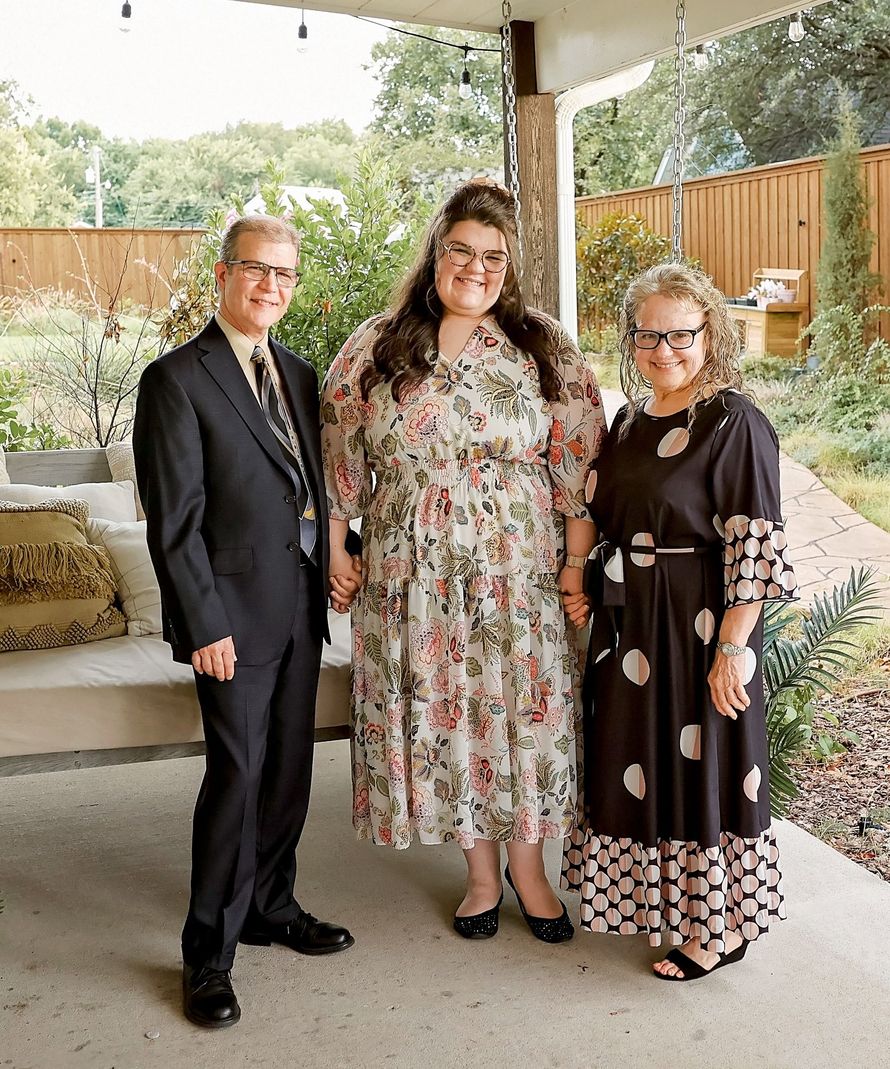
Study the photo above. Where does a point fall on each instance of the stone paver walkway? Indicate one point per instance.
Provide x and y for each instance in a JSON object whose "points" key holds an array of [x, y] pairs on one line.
{"points": [[827, 537]]}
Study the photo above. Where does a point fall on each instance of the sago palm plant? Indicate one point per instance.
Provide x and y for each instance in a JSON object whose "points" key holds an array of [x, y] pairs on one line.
{"points": [[795, 669]]}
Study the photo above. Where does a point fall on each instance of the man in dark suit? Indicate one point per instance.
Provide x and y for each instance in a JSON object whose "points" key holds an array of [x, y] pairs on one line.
{"points": [[229, 468]]}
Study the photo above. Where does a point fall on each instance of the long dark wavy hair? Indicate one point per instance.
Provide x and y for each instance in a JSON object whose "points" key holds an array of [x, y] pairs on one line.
{"points": [[408, 337]]}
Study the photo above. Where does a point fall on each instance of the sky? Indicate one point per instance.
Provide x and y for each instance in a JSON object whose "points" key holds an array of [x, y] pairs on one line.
{"points": [[186, 66]]}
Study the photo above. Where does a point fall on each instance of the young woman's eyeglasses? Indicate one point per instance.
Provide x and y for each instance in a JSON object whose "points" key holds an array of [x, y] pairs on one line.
{"points": [[287, 277], [462, 255], [676, 339]]}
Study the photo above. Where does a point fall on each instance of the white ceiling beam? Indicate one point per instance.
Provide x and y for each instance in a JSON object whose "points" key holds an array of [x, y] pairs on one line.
{"points": [[581, 41]]}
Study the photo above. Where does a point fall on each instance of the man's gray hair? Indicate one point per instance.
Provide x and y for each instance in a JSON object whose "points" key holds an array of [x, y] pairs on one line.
{"points": [[264, 226]]}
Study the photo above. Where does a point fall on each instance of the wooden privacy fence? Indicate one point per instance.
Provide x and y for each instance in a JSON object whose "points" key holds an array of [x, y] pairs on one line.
{"points": [[41, 257], [761, 217]]}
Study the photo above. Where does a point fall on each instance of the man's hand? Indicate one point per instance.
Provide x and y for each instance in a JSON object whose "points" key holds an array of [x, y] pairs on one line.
{"points": [[345, 580], [217, 659], [575, 602]]}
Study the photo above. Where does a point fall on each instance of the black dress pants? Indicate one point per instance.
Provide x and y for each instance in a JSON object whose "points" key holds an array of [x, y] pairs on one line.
{"points": [[259, 729]]}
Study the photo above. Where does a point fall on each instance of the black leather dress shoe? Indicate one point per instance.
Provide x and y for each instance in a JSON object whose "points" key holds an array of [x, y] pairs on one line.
{"points": [[207, 997], [305, 934]]}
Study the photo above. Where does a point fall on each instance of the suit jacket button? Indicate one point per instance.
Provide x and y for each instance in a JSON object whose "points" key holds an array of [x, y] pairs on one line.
{"points": [[290, 499], [293, 546]]}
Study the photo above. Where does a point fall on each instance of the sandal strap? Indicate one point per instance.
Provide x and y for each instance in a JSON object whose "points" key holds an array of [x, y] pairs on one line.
{"points": [[691, 969]]}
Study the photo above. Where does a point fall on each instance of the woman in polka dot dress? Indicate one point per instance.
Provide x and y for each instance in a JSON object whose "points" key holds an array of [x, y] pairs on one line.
{"points": [[675, 840]]}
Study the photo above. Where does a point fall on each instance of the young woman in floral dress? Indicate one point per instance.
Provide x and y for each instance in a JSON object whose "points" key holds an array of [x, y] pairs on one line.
{"points": [[460, 426]]}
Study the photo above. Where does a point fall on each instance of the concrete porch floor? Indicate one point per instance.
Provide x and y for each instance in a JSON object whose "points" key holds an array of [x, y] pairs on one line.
{"points": [[94, 871]]}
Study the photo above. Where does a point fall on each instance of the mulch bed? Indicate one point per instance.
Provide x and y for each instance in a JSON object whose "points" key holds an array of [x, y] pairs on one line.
{"points": [[842, 796]]}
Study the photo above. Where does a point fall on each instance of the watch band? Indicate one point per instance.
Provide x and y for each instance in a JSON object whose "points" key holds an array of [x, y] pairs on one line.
{"points": [[573, 561], [728, 649]]}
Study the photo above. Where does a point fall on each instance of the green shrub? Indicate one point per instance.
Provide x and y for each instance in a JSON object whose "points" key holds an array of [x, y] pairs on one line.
{"points": [[603, 341], [848, 342], [17, 433], [767, 368], [351, 258], [853, 404], [610, 254]]}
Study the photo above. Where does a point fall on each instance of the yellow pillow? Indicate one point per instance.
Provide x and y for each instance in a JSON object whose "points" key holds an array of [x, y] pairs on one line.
{"points": [[55, 588]]}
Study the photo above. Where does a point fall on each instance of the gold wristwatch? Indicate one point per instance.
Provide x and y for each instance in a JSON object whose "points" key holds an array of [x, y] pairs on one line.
{"points": [[573, 561]]}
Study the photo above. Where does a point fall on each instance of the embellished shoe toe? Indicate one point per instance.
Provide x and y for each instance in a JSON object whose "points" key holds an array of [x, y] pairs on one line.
{"points": [[547, 929], [480, 925]]}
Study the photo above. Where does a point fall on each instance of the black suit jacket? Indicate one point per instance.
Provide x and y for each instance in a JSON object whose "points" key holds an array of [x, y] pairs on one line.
{"points": [[223, 529]]}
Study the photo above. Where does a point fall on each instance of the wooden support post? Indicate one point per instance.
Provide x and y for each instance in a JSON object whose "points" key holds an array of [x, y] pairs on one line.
{"points": [[536, 135]]}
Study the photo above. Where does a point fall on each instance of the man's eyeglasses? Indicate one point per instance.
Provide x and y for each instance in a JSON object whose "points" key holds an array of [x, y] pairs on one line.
{"points": [[462, 255], [287, 277], [676, 339]]}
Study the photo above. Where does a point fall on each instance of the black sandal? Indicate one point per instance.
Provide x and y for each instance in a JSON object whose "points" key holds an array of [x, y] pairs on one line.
{"points": [[692, 970]]}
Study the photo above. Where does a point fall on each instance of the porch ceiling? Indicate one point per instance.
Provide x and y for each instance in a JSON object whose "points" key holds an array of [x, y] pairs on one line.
{"points": [[577, 41]]}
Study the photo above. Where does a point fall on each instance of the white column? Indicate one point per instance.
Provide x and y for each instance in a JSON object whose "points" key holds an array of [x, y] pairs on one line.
{"points": [[568, 105]]}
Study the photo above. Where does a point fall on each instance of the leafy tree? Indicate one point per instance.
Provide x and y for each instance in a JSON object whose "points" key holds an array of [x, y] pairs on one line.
{"points": [[761, 99], [843, 275], [31, 192], [620, 142], [178, 183], [426, 127]]}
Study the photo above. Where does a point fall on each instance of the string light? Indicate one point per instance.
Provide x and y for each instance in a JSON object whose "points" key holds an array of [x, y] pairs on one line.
{"points": [[302, 34], [465, 89], [700, 58], [465, 85], [795, 27], [126, 15]]}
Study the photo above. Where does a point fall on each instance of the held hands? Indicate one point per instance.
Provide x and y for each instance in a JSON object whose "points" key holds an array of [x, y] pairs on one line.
{"points": [[345, 579], [726, 680], [217, 659], [575, 603]]}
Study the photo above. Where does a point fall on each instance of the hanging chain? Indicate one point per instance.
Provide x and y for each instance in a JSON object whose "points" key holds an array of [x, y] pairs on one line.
{"points": [[679, 131], [510, 116]]}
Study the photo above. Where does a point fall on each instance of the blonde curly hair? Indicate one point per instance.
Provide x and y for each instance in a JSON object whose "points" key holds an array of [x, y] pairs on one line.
{"points": [[694, 290]]}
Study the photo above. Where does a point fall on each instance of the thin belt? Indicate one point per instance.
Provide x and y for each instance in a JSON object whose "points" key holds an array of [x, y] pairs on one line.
{"points": [[609, 574]]}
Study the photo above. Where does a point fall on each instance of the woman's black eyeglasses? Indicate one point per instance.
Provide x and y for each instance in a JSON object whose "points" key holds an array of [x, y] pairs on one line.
{"points": [[676, 339]]}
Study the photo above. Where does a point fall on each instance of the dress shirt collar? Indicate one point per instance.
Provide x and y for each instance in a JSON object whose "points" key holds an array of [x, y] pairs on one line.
{"points": [[241, 345]]}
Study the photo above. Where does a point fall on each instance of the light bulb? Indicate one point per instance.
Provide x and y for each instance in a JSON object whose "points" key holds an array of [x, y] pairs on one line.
{"points": [[465, 89], [302, 36], [126, 15], [795, 27], [700, 58]]}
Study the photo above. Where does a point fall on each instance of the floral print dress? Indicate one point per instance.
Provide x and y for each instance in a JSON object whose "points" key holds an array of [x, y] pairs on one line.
{"points": [[464, 676]]}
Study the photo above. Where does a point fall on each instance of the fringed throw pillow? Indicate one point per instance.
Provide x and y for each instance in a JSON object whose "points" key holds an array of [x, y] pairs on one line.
{"points": [[55, 588]]}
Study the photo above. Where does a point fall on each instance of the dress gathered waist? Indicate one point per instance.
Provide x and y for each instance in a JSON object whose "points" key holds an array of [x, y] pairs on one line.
{"points": [[608, 586], [454, 470]]}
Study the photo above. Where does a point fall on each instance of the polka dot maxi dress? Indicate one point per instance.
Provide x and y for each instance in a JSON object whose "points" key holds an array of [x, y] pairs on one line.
{"points": [[675, 838]]}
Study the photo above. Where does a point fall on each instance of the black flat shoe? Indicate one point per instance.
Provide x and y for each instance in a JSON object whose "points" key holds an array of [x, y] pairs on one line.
{"points": [[480, 925], [305, 934], [547, 929], [208, 999], [692, 970]]}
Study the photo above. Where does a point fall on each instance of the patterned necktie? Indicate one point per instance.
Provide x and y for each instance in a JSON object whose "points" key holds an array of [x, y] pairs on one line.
{"points": [[274, 411]]}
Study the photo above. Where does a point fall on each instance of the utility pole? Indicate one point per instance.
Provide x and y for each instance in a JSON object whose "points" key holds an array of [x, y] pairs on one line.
{"points": [[94, 175]]}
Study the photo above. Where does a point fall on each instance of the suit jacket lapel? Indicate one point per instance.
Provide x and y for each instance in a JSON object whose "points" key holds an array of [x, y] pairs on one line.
{"points": [[223, 366]]}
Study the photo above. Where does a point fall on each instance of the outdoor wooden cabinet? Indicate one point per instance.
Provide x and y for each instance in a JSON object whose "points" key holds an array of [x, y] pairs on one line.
{"points": [[773, 327]]}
